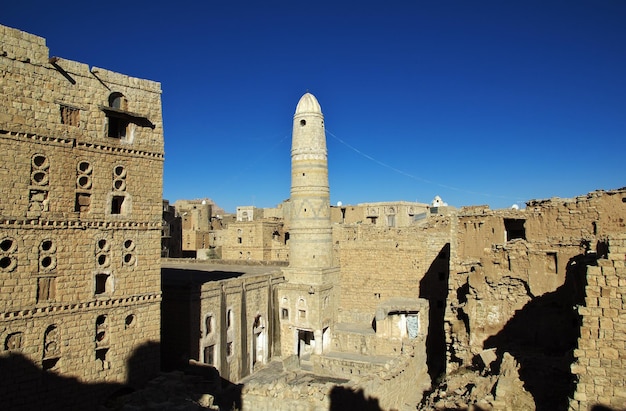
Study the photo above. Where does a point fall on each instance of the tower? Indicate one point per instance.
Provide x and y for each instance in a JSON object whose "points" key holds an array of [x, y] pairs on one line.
{"points": [[307, 301]]}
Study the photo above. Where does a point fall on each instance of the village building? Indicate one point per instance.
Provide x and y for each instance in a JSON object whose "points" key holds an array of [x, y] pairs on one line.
{"points": [[81, 150]]}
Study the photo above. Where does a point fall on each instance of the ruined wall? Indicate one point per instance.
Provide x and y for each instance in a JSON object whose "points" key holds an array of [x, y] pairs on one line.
{"points": [[508, 258], [396, 385], [600, 365], [516, 279], [80, 219]]}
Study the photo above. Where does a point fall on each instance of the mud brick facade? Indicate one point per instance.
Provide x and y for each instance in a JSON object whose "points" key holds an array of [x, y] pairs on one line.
{"points": [[81, 155], [600, 364]]}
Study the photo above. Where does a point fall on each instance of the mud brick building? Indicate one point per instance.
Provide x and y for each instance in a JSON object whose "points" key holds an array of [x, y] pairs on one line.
{"points": [[81, 154]]}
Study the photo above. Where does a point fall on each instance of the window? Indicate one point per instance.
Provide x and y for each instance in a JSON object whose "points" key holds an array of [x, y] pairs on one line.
{"points": [[229, 318], [302, 314], [117, 204], [46, 289], [284, 313], [229, 348], [514, 229], [209, 354], [101, 336], [208, 324], [103, 284], [13, 341], [117, 122], [117, 127], [391, 220], [129, 321], [8, 254], [70, 116]]}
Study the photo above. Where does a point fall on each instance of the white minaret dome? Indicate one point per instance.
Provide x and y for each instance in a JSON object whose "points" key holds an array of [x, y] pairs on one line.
{"points": [[308, 104]]}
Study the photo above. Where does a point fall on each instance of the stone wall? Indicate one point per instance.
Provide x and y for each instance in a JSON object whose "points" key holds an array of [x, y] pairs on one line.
{"points": [[258, 240], [219, 319], [507, 258], [395, 385], [515, 280], [80, 222], [378, 264], [600, 365]]}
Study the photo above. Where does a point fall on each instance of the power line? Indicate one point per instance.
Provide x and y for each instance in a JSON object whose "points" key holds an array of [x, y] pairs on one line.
{"points": [[409, 175]]}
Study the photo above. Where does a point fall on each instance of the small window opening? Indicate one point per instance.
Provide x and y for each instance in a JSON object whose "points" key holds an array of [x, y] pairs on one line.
{"points": [[284, 313], [229, 348], [101, 330], [239, 240], [117, 100], [302, 123], [302, 314], [13, 341], [102, 259], [46, 289], [209, 354], [129, 259], [117, 127], [117, 204], [39, 176], [514, 229], [229, 318], [40, 161], [84, 167], [46, 245], [46, 261], [129, 321], [102, 281], [70, 116], [48, 364], [101, 358], [5, 262], [6, 244], [119, 171], [119, 185], [83, 202]]}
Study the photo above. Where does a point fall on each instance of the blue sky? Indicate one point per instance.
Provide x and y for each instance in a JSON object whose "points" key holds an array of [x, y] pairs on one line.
{"points": [[479, 102]]}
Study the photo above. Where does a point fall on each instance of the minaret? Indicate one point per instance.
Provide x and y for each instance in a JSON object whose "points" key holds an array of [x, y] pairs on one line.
{"points": [[310, 244], [307, 301]]}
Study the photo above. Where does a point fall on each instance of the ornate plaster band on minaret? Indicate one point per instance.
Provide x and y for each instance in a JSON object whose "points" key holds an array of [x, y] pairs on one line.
{"points": [[310, 243]]}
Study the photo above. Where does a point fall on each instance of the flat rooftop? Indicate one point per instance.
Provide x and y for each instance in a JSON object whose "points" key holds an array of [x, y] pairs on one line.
{"points": [[185, 271]]}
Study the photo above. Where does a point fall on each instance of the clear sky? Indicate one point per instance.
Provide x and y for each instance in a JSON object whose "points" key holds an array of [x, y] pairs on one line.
{"points": [[479, 102]]}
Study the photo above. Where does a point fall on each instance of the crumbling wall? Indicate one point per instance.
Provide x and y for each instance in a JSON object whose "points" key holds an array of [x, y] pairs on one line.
{"points": [[600, 365], [397, 385], [517, 276]]}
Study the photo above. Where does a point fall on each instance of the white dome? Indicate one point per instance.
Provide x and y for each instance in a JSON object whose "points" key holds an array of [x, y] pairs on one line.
{"points": [[308, 104]]}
